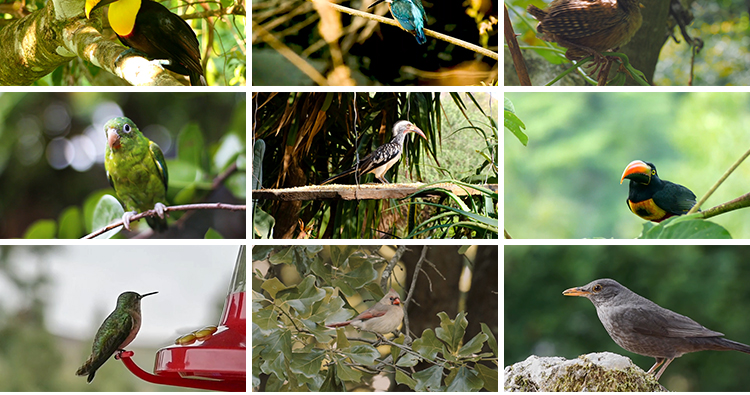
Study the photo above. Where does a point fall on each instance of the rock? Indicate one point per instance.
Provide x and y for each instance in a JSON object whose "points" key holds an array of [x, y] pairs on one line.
{"points": [[604, 371]]}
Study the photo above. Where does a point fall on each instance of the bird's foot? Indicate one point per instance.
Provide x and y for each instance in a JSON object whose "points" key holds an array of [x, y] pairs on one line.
{"points": [[160, 209], [126, 219]]}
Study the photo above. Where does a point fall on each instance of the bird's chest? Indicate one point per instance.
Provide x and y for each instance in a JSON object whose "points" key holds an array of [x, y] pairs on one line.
{"points": [[136, 317], [135, 179]]}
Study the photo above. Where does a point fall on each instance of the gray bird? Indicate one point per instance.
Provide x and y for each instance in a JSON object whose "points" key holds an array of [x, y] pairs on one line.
{"points": [[643, 327]]}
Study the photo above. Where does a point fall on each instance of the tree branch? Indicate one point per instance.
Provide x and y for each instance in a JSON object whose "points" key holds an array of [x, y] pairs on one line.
{"points": [[719, 182], [183, 207]]}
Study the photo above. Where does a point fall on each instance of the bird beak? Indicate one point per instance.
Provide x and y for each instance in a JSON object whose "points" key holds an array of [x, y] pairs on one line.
{"points": [[92, 5], [416, 130], [113, 139], [576, 292], [150, 293], [637, 171], [375, 3]]}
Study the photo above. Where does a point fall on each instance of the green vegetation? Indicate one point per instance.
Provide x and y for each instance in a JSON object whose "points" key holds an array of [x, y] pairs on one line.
{"points": [[566, 182]]}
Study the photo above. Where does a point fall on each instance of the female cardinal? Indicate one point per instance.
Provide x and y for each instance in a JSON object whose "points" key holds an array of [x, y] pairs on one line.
{"points": [[384, 317]]}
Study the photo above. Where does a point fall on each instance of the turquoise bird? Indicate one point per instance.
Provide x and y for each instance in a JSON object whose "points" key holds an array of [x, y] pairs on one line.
{"points": [[409, 14]]}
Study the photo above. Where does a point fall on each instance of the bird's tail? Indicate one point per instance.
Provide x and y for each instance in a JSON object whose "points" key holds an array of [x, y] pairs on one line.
{"points": [[537, 12], [197, 79], [337, 176], [89, 368], [727, 344], [340, 324], [419, 35]]}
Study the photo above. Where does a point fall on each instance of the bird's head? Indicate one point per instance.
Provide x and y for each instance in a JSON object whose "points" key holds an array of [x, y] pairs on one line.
{"points": [[598, 291], [403, 127], [639, 171], [120, 131]]}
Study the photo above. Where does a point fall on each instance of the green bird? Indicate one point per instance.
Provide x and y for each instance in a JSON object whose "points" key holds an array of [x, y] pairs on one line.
{"points": [[137, 171]]}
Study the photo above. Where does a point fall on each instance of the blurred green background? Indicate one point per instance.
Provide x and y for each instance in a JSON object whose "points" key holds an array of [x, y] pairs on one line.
{"points": [[566, 182], [705, 283]]}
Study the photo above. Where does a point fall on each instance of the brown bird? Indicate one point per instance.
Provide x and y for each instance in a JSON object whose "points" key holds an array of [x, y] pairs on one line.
{"points": [[588, 27], [643, 327]]}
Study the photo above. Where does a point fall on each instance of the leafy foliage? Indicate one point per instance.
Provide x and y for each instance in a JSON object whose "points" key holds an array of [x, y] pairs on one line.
{"points": [[294, 351]]}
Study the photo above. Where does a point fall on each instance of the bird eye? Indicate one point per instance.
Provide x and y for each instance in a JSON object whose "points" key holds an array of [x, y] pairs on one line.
{"points": [[126, 128], [653, 172], [597, 288]]}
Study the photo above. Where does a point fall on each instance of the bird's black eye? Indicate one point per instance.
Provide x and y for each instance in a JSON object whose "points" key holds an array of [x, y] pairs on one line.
{"points": [[597, 288], [126, 128]]}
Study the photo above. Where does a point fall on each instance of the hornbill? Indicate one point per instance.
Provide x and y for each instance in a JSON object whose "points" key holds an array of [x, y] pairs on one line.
{"points": [[378, 162], [652, 198]]}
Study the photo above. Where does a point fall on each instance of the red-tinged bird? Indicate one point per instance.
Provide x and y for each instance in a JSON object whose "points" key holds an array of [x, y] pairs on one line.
{"points": [[383, 317], [652, 198]]}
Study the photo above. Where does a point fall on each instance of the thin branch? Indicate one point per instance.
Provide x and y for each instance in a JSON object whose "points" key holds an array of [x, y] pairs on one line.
{"points": [[389, 268], [415, 276], [716, 185], [736, 204], [392, 22], [515, 52], [183, 207]]}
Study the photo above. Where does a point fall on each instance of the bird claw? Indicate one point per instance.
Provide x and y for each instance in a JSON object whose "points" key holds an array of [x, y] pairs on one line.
{"points": [[126, 219], [160, 209]]}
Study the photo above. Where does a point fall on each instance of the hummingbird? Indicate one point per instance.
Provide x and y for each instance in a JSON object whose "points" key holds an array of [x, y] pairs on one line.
{"points": [[116, 332], [410, 16]]}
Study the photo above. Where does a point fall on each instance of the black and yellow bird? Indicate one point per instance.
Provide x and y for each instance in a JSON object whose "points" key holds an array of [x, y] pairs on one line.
{"points": [[149, 27], [652, 198]]}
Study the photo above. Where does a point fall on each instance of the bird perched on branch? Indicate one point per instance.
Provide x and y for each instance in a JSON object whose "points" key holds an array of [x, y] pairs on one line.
{"points": [[410, 16], [587, 27], [150, 28], [383, 317], [137, 171], [652, 198], [384, 157]]}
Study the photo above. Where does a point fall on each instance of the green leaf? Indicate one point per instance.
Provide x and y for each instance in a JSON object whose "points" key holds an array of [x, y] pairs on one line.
{"points": [[492, 341], [211, 233], [340, 254], [465, 380], [307, 364], [429, 379], [191, 147], [237, 184], [266, 319], [473, 346], [273, 286], [346, 373], [363, 354], [451, 331], [71, 223], [307, 294], [263, 224], [229, 147], [408, 360], [514, 125], [332, 382], [488, 376], [686, 228], [428, 345], [403, 378], [41, 229], [107, 210]]}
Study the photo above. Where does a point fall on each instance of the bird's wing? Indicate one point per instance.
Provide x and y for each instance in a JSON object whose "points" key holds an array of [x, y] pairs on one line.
{"points": [[568, 14], [665, 323], [161, 164], [675, 198]]}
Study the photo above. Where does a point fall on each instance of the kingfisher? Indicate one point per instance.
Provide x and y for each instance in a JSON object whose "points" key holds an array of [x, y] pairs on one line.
{"points": [[409, 14], [378, 162]]}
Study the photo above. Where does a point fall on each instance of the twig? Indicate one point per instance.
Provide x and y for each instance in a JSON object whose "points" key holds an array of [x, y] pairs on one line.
{"points": [[183, 207], [716, 185], [515, 52], [736, 204], [415, 276], [389, 268]]}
